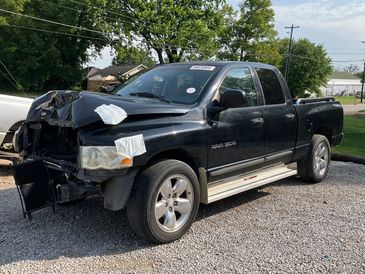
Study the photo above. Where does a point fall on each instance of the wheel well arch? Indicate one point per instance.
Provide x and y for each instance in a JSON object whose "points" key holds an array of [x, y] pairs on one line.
{"points": [[177, 154], [326, 131], [16, 126], [9, 135]]}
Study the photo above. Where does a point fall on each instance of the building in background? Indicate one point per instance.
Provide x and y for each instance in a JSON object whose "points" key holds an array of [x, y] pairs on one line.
{"points": [[98, 79], [342, 83]]}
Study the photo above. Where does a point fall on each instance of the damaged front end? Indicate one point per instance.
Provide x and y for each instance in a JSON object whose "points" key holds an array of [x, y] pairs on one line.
{"points": [[56, 166]]}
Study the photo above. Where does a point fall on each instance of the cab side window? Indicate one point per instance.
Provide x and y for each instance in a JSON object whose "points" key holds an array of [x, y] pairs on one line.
{"points": [[240, 79], [271, 86]]}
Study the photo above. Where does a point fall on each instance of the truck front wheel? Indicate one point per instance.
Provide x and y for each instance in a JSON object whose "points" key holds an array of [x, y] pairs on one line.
{"points": [[314, 167], [164, 201]]}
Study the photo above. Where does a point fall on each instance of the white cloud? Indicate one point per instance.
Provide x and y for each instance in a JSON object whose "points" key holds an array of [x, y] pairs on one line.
{"points": [[321, 14], [336, 24]]}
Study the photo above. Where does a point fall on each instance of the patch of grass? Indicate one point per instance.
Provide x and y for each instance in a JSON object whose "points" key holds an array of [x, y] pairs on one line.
{"points": [[347, 100], [353, 142]]}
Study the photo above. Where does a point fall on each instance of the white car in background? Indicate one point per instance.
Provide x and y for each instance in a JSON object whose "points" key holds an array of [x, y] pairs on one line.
{"points": [[13, 111]]}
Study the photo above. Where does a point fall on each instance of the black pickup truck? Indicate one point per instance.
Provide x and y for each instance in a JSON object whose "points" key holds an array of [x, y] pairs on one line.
{"points": [[171, 138]]}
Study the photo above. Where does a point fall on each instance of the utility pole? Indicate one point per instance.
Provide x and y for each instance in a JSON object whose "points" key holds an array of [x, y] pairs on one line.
{"points": [[363, 78], [362, 84], [292, 27]]}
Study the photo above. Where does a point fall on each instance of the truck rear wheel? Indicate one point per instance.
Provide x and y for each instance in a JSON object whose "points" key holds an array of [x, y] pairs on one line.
{"points": [[314, 167], [164, 201]]}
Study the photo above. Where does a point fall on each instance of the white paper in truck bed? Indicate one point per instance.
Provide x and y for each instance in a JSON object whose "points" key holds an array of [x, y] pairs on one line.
{"points": [[111, 114]]}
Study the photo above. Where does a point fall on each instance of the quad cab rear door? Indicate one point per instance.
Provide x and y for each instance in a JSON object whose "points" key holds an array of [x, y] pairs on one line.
{"points": [[280, 127]]}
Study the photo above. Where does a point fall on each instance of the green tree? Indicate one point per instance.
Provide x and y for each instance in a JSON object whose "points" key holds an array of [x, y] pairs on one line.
{"points": [[250, 35], [10, 5], [265, 52], [227, 39], [39, 54], [176, 29], [309, 66], [132, 55]]}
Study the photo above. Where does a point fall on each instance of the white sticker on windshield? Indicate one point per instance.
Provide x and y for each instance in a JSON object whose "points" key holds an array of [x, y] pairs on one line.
{"points": [[208, 68], [190, 90], [157, 78]]}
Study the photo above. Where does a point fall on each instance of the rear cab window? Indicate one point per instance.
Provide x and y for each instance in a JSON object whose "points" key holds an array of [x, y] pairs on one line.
{"points": [[271, 87]]}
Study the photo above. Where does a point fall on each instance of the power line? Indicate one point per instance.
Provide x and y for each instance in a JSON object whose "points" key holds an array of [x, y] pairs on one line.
{"points": [[104, 10], [59, 5], [111, 12], [158, 45], [122, 15], [303, 57], [70, 8], [95, 31], [19, 86], [4, 74], [346, 61], [328, 34], [56, 32], [63, 24], [15, 81], [163, 45], [345, 53], [52, 22]]}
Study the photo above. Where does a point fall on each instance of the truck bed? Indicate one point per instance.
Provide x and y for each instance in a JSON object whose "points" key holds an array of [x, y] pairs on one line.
{"points": [[317, 116]]}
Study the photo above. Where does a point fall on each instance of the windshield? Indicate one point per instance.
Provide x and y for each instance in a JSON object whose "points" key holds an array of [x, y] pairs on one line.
{"points": [[180, 84]]}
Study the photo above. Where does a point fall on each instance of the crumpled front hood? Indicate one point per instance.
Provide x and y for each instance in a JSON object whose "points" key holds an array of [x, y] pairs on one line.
{"points": [[76, 109]]}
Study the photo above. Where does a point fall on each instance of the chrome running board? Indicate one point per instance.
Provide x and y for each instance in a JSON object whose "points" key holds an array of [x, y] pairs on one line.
{"points": [[228, 187]]}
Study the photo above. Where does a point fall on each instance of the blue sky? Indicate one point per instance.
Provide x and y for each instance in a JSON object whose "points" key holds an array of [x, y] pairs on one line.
{"points": [[339, 25]]}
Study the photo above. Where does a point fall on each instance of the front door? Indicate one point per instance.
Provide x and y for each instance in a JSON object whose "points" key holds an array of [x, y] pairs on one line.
{"points": [[236, 136]]}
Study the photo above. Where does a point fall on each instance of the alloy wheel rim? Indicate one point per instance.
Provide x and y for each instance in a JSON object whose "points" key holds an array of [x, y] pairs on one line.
{"points": [[174, 203], [321, 157]]}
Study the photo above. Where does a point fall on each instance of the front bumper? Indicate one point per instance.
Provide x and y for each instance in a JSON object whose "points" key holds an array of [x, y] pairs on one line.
{"points": [[43, 183]]}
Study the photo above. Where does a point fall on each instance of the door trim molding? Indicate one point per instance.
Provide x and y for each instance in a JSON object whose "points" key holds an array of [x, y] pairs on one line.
{"points": [[301, 146], [278, 155], [219, 170], [236, 166]]}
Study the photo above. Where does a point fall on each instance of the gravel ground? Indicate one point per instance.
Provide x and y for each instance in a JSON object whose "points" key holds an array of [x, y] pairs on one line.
{"points": [[286, 227]]}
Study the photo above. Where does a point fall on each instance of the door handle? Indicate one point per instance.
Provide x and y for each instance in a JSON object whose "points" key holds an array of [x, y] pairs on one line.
{"points": [[290, 116], [257, 121]]}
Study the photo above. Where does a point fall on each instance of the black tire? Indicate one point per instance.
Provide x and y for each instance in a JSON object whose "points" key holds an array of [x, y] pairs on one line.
{"points": [[147, 190], [306, 166]]}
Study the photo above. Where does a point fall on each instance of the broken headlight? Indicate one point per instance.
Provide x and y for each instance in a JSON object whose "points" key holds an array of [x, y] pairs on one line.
{"points": [[102, 157]]}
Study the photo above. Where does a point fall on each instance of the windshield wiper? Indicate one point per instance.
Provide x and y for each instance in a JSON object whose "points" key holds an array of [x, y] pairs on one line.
{"points": [[150, 95]]}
